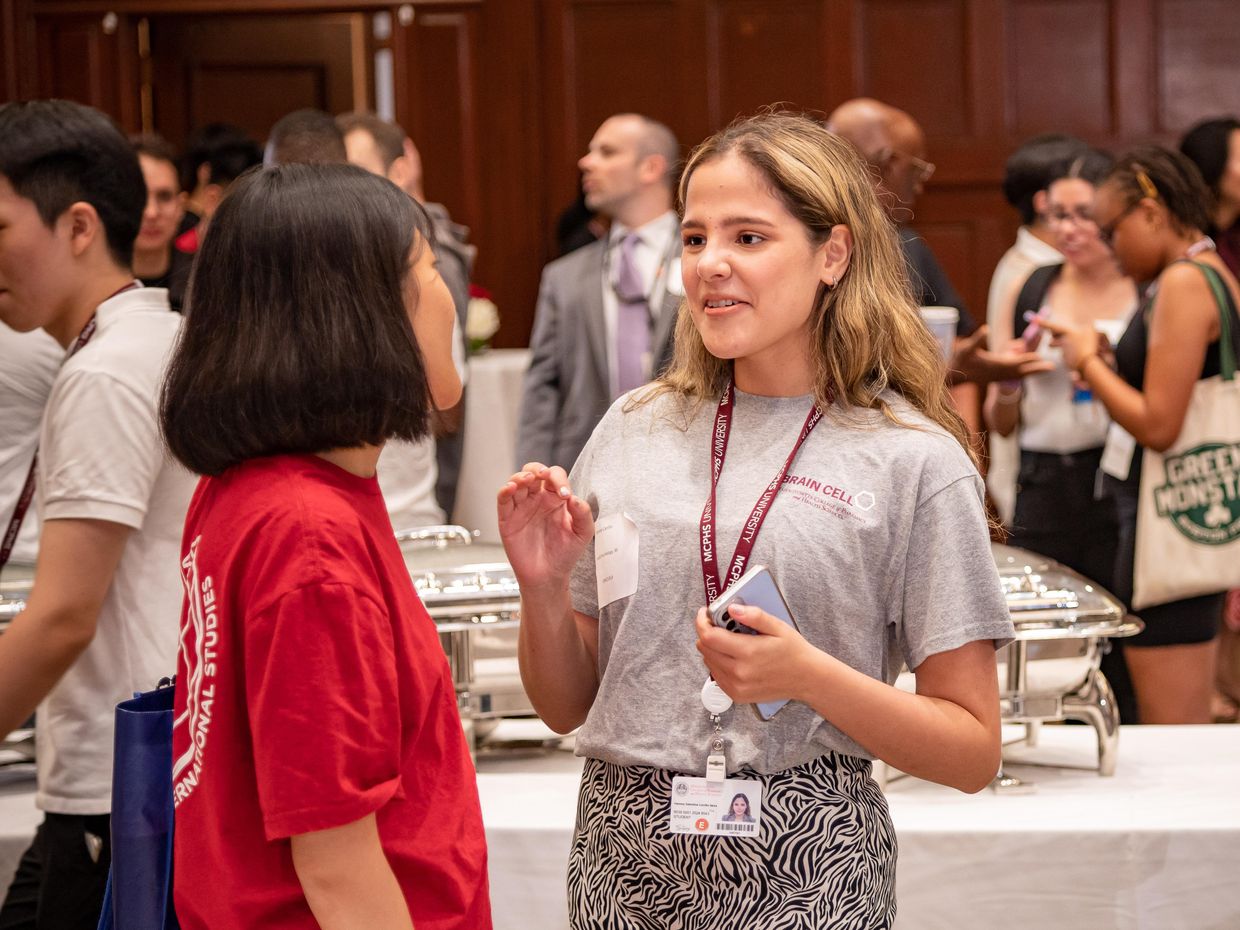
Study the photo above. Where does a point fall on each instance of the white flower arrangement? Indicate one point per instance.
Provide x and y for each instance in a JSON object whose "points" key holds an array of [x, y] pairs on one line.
{"points": [[481, 322]]}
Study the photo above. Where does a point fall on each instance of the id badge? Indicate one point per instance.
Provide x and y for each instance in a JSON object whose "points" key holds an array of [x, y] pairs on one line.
{"points": [[1117, 453], [716, 807]]}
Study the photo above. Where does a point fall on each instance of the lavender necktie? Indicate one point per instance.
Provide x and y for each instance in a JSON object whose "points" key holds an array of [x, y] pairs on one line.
{"points": [[632, 320]]}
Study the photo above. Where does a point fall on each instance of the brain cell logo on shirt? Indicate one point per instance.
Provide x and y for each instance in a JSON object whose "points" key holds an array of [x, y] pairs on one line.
{"points": [[830, 496], [199, 648], [1202, 495]]}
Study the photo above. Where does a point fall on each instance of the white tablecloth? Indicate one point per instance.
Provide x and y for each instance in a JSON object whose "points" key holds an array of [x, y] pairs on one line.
{"points": [[492, 400], [1153, 848]]}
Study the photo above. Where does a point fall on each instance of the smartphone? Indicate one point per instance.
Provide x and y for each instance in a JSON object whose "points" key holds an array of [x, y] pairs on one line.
{"points": [[1033, 332], [755, 588]]}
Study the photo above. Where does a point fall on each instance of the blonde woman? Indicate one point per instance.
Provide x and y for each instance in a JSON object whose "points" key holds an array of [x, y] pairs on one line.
{"points": [[804, 381]]}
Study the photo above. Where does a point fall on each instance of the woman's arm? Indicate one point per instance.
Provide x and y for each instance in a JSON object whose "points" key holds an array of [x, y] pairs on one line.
{"points": [[545, 530], [948, 732], [1184, 321], [1002, 407], [348, 881]]}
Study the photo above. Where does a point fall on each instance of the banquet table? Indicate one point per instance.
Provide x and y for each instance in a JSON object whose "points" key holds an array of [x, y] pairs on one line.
{"points": [[1153, 848], [492, 400]]}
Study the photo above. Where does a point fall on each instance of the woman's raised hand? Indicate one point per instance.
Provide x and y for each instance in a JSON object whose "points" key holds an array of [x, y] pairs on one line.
{"points": [[544, 528]]}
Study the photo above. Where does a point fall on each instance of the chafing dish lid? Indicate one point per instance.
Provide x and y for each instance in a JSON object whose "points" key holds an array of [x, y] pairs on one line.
{"points": [[1041, 590]]}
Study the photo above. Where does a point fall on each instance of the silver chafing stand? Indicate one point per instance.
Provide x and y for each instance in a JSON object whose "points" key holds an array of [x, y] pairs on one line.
{"points": [[470, 592], [15, 583], [1052, 671]]}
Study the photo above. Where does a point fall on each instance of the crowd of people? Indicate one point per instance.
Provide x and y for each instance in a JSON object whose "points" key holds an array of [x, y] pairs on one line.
{"points": [[241, 369]]}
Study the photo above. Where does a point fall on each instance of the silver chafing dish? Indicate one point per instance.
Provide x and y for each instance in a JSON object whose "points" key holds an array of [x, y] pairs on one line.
{"points": [[15, 582], [471, 593], [1052, 671]]}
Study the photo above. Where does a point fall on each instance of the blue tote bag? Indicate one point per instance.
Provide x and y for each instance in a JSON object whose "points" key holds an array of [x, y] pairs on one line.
{"points": [[139, 892]]}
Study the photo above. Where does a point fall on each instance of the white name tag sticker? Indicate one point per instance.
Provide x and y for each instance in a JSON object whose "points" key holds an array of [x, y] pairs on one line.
{"points": [[615, 557], [1117, 453], [704, 807]]}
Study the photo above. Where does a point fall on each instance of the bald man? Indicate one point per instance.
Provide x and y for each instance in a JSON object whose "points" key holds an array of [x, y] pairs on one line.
{"points": [[895, 146], [605, 312]]}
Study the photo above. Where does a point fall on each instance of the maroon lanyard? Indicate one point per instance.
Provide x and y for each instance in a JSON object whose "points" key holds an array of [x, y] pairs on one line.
{"points": [[744, 546], [27, 494]]}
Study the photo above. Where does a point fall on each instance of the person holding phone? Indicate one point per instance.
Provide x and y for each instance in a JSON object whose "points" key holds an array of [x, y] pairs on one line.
{"points": [[1062, 426], [1153, 210], [316, 719], [803, 380]]}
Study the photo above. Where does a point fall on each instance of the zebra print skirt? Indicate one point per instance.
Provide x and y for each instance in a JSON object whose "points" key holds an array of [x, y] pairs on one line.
{"points": [[825, 858]]}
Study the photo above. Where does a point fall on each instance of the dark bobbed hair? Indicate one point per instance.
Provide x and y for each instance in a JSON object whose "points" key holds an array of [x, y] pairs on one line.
{"points": [[1207, 145], [56, 153], [299, 341], [225, 149], [1175, 181], [1034, 165], [389, 137], [308, 137], [1092, 165]]}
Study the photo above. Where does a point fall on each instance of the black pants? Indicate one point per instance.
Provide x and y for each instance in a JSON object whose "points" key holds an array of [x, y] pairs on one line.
{"points": [[1057, 516], [59, 885]]}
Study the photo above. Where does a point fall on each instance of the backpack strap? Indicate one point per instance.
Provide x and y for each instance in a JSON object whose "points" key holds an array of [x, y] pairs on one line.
{"points": [[1032, 295]]}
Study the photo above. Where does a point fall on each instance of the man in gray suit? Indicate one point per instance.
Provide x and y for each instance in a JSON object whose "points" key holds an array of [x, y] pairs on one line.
{"points": [[607, 311]]}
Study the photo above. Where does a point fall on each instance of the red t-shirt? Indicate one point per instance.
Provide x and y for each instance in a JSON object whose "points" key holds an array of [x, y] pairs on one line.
{"points": [[313, 685]]}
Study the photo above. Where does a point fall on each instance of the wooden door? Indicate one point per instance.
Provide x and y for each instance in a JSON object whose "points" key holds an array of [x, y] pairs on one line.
{"points": [[252, 70]]}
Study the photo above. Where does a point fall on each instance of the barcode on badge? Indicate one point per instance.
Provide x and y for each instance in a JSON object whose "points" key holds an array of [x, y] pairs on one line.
{"points": [[736, 827]]}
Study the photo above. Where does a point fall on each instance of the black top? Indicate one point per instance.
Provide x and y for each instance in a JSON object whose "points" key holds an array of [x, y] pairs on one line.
{"points": [[1130, 356], [931, 286], [175, 279], [1032, 295]]}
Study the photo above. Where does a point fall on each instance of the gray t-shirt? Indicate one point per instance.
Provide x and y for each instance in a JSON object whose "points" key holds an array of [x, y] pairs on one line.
{"points": [[877, 539]]}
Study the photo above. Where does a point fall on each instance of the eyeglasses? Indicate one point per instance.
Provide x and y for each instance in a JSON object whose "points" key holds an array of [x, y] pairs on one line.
{"points": [[1107, 233], [1079, 218], [923, 168]]}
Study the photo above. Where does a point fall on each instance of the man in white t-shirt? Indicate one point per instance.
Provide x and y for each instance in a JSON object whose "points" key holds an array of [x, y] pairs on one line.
{"points": [[1028, 173], [407, 471], [381, 146], [101, 621]]}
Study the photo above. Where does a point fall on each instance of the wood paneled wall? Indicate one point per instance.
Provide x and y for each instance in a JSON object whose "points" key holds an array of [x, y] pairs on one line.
{"points": [[503, 95]]}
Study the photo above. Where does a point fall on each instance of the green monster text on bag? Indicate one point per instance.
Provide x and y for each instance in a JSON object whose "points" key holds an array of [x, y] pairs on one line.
{"points": [[1202, 493]]}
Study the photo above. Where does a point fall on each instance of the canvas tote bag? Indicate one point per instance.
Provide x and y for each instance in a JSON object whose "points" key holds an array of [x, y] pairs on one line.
{"points": [[1188, 511]]}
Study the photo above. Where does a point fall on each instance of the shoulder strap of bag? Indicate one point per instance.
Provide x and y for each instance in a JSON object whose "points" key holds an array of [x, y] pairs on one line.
{"points": [[1032, 295], [1227, 349]]}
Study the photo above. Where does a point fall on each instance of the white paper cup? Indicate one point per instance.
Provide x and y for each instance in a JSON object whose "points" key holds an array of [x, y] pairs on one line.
{"points": [[941, 321]]}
